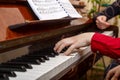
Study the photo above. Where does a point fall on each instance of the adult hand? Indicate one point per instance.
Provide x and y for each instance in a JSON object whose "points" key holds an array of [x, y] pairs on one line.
{"points": [[74, 42], [101, 22], [113, 74]]}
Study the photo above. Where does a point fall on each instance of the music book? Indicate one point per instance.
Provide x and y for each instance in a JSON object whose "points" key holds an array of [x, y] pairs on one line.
{"points": [[53, 9]]}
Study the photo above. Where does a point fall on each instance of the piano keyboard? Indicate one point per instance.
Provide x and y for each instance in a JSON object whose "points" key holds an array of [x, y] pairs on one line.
{"points": [[37, 66], [22, 68]]}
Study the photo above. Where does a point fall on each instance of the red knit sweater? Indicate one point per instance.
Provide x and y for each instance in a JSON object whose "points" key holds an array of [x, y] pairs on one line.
{"points": [[106, 45]]}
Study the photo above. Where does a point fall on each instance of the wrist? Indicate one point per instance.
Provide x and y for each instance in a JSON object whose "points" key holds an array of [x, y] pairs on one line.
{"points": [[90, 37]]}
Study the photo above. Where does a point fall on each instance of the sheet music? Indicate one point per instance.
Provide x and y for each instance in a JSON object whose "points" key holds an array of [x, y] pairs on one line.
{"points": [[53, 9], [70, 9], [47, 9]]}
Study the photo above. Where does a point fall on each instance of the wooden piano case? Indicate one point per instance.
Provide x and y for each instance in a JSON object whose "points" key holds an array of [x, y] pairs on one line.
{"points": [[18, 11], [14, 12]]}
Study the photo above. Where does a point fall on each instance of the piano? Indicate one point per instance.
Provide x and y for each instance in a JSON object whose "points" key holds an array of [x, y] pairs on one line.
{"points": [[26, 51]]}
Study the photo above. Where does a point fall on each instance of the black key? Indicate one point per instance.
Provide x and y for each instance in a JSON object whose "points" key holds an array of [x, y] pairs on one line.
{"points": [[56, 53], [29, 60], [33, 58], [48, 54], [51, 54], [36, 55], [37, 62], [3, 77], [8, 73], [52, 51], [64, 49], [43, 54], [28, 66], [13, 68]]}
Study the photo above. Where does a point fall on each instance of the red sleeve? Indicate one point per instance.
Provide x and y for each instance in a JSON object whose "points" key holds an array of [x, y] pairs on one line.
{"points": [[106, 45]]}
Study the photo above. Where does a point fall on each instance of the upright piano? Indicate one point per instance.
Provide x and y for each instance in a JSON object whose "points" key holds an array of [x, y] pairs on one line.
{"points": [[26, 45]]}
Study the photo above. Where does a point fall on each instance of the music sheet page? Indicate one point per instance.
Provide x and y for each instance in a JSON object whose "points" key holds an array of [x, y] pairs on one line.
{"points": [[71, 11], [47, 9]]}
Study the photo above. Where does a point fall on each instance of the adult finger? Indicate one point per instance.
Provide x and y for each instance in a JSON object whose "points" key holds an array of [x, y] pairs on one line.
{"points": [[109, 75], [57, 45], [69, 50], [116, 76], [61, 47], [101, 19]]}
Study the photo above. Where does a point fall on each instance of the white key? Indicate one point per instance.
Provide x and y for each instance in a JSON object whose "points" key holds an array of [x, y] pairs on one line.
{"points": [[41, 72]]}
